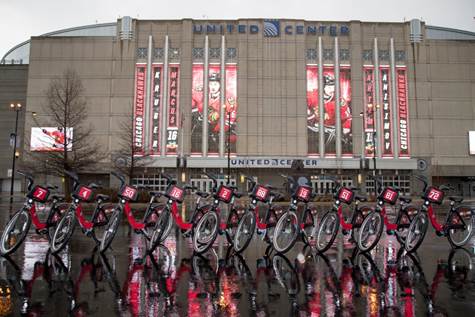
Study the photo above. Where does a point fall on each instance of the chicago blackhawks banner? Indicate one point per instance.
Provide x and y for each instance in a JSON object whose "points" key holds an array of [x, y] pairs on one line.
{"points": [[386, 113], [345, 111], [214, 107], [369, 104], [156, 104], [172, 122], [197, 108], [231, 106], [313, 118], [403, 115], [139, 102]]}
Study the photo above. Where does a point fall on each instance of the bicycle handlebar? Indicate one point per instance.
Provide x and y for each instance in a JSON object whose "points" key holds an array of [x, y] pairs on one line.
{"points": [[214, 179], [74, 177], [29, 178], [120, 177], [424, 180]]}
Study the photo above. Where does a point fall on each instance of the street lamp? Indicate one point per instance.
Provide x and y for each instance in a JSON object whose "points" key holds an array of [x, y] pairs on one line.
{"points": [[17, 108], [229, 145], [375, 110]]}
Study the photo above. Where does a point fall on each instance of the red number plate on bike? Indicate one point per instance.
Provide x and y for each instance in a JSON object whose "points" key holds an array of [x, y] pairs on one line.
{"points": [[84, 193], [40, 194], [303, 193], [175, 193], [129, 193], [434, 195], [261, 193], [389, 195], [225, 194], [345, 195]]}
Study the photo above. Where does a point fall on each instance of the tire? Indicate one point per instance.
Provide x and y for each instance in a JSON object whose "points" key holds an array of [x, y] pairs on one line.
{"points": [[231, 226], [327, 231], [64, 231], [416, 233], [269, 231], [15, 231], [372, 226], [110, 230], [310, 227], [459, 237], [244, 232], [286, 232], [285, 274], [206, 232], [54, 217], [403, 219], [365, 210], [195, 217], [161, 230]]}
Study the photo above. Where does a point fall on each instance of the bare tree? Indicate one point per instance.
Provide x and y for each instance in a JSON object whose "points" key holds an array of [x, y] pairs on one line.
{"points": [[66, 109], [127, 158]]}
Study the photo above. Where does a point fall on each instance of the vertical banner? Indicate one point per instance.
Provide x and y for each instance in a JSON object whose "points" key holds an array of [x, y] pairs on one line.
{"points": [[329, 127], [345, 111], [403, 114], [312, 110], [386, 113], [197, 108], [369, 106], [231, 106], [139, 104], [156, 104], [172, 122], [214, 108]]}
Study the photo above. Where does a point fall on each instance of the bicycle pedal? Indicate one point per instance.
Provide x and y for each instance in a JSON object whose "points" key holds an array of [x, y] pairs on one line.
{"points": [[138, 231], [390, 232], [345, 232], [440, 233], [42, 231], [259, 231]]}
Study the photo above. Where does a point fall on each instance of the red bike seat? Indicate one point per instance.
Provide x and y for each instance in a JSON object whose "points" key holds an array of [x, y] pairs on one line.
{"points": [[456, 199]]}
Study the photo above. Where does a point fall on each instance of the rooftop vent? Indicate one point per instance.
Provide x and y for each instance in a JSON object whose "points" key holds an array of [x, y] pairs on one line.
{"points": [[416, 31], [126, 32]]}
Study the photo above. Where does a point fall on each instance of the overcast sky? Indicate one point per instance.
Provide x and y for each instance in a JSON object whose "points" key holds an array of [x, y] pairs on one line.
{"points": [[24, 18]]}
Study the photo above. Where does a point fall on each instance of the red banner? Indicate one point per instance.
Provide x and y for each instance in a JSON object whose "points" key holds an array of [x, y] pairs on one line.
{"points": [[369, 106], [403, 115], [231, 106], [172, 127], [345, 111], [386, 113], [197, 108], [313, 116], [156, 104], [139, 105], [214, 107]]}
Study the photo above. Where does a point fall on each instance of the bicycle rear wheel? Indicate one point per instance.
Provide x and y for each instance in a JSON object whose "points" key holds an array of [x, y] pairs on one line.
{"points": [[110, 230], [286, 232], [403, 222], [309, 226], [416, 232], [370, 231], [15, 232], [327, 231], [161, 231], [465, 221], [206, 232], [244, 232], [63, 232]]}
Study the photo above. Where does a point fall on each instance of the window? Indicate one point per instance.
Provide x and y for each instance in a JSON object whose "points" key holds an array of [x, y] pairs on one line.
{"points": [[403, 182], [151, 181]]}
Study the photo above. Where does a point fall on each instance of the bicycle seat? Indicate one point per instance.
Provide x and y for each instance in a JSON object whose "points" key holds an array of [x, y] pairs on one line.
{"points": [[361, 198], [406, 200], [57, 197], [202, 194], [155, 193], [456, 199], [102, 197]]}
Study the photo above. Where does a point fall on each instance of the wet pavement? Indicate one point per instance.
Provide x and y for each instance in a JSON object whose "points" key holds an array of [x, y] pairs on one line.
{"points": [[174, 283]]}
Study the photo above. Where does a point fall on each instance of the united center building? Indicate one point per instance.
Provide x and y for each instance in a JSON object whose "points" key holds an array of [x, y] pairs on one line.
{"points": [[307, 98]]}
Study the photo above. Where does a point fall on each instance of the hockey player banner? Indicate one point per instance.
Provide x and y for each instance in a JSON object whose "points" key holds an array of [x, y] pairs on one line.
{"points": [[156, 104], [231, 106], [329, 121], [345, 111], [313, 116], [139, 110], [403, 113], [172, 122], [197, 108], [214, 108], [386, 113], [369, 106]]}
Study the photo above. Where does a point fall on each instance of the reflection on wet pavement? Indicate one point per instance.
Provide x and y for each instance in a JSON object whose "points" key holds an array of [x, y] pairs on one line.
{"points": [[81, 282]]}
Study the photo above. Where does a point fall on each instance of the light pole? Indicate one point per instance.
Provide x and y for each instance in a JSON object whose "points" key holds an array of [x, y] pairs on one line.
{"points": [[229, 147], [375, 110], [17, 109]]}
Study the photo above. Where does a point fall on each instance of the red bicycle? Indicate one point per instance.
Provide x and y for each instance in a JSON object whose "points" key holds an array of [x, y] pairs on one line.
{"points": [[17, 228]]}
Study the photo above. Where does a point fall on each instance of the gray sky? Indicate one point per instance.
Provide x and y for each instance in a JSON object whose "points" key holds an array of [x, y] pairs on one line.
{"points": [[24, 18]]}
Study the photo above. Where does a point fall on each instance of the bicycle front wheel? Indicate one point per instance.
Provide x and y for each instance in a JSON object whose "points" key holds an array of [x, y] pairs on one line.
{"points": [[244, 232], [462, 230], [286, 232], [110, 230], [327, 231], [64, 231], [416, 233], [206, 232], [403, 222], [370, 231], [15, 232], [161, 231]]}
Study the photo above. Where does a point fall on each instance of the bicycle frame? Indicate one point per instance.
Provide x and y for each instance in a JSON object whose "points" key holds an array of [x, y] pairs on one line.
{"points": [[442, 228]]}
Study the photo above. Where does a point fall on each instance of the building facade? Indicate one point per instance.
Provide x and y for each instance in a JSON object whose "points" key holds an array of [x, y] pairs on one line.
{"points": [[271, 97]]}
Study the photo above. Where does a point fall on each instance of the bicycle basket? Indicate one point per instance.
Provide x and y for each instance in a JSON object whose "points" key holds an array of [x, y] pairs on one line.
{"points": [[261, 193], [83, 193], [303, 193], [389, 195], [225, 194], [434, 195], [129, 193], [39, 194], [346, 195], [175, 193]]}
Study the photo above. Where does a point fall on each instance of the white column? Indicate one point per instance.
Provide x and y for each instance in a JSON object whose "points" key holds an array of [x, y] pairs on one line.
{"points": [[222, 113], [394, 108], [321, 107], [205, 98], [148, 88], [164, 108], [377, 110], [337, 99]]}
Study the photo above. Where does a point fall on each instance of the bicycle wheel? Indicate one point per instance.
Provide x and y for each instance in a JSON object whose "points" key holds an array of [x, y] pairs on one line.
{"points": [[15, 232], [403, 222], [327, 231], [286, 232], [365, 210], [206, 232], [309, 226], [459, 236], [231, 226], [416, 232], [244, 232], [161, 230], [370, 231], [285, 274], [54, 217], [110, 230], [64, 231]]}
